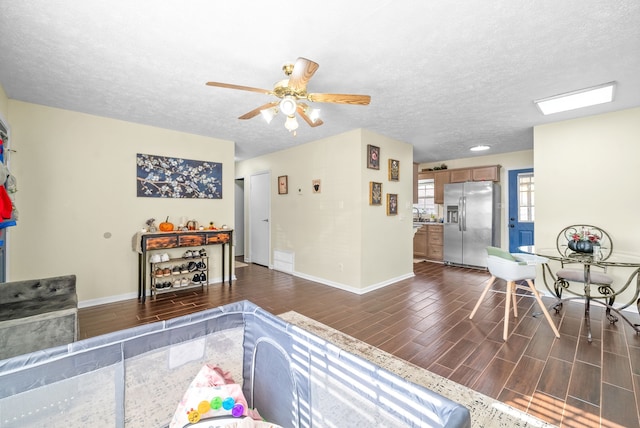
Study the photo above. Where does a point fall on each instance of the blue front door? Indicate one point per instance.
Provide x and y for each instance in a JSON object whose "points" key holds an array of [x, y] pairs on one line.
{"points": [[521, 208]]}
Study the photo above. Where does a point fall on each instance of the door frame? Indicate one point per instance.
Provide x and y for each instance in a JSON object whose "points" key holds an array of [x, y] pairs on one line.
{"points": [[251, 214], [512, 196]]}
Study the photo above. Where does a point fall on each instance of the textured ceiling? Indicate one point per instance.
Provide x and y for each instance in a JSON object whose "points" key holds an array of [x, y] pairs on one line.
{"points": [[442, 76]]}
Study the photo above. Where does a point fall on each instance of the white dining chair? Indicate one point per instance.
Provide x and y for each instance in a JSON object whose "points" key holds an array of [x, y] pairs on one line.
{"points": [[512, 268]]}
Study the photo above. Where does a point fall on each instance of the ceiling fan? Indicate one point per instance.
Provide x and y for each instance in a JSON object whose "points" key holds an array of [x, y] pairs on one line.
{"points": [[292, 92]]}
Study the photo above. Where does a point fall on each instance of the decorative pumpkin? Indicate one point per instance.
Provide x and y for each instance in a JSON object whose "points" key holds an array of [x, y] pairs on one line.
{"points": [[165, 226]]}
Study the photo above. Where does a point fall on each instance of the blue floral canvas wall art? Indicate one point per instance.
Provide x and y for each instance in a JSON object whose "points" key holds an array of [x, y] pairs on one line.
{"points": [[169, 177]]}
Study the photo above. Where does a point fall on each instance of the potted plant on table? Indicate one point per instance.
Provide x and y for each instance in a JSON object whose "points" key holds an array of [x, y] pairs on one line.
{"points": [[584, 241]]}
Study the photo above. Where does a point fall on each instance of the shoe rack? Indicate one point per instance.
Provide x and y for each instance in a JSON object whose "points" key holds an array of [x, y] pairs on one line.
{"points": [[150, 245], [169, 274]]}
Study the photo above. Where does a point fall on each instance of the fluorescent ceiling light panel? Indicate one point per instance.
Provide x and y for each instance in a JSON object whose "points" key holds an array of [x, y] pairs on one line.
{"points": [[577, 99]]}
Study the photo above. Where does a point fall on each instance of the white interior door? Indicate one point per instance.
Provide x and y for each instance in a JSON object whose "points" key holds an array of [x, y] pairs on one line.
{"points": [[259, 208], [238, 229]]}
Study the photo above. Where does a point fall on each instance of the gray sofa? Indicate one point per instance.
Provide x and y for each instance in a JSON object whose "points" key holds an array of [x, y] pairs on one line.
{"points": [[37, 314]]}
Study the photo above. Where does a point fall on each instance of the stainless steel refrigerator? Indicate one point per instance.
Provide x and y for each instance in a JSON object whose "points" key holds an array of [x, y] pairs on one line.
{"points": [[472, 222]]}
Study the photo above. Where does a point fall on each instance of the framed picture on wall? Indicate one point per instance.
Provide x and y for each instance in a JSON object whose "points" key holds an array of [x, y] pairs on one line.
{"points": [[394, 170], [373, 157], [392, 203], [283, 185], [375, 193]]}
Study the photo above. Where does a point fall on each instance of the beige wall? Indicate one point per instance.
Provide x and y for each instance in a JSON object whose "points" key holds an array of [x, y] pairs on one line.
{"points": [[76, 185], [4, 103], [587, 172], [508, 162], [337, 238]]}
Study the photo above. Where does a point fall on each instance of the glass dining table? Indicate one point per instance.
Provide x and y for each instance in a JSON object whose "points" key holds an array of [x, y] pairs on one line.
{"points": [[607, 293]]}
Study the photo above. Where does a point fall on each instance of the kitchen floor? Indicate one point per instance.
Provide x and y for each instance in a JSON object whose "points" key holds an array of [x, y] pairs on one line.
{"points": [[424, 320]]}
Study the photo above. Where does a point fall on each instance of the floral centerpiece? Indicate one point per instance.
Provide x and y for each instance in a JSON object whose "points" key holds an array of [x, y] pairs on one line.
{"points": [[583, 241]]}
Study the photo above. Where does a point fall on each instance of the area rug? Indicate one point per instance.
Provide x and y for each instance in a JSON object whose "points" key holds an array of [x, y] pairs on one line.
{"points": [[485, 411]]}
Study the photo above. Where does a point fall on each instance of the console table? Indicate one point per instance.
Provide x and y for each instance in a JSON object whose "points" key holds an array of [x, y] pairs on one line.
{"points": [[150, 241]]}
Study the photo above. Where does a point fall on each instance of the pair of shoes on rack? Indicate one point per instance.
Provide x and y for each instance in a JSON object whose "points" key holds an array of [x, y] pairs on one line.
{"points": [[180, 282], [159, 258], [201, 266], [163, 285], [199, 278], [175, 270], [192, 266], [193, 254], [160, 272]]}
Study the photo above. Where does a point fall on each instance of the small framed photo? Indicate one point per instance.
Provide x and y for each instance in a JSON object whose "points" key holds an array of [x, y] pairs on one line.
{"points": [[375, 193], [315, 184], [392, 203], [394, 170], [373, 157], [283, 185]]}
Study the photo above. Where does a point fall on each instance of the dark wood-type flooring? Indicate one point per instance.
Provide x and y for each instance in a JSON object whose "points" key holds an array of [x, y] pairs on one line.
{"points": [[424, 320]]}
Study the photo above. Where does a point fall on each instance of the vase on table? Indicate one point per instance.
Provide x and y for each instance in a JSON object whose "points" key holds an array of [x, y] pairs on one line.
{"points": [[581, 246]]}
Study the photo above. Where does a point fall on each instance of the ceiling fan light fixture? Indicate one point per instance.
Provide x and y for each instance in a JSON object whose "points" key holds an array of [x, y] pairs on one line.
{"points": [[577, 99], [313, 114], [269, 113], [288, 105], [291, 123]]}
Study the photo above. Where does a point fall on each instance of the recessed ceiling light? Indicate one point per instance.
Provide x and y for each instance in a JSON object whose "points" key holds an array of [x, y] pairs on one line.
{"points": [[577, 99], [479, 148]]}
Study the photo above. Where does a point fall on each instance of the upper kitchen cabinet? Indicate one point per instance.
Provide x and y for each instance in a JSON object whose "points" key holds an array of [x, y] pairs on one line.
{"points": [[487, 173], [482, 173], [459, 175], [440, 178]]}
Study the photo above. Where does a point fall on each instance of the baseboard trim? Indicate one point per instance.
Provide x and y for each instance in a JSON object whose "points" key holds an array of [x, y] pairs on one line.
{"points": [[350, 288], [129, 296]]}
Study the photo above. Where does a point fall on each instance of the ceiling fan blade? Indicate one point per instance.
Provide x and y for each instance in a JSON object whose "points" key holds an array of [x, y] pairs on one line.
{"points": [[242, 88], [340, 98], [301, 111], [303, 71], [256, 111]]}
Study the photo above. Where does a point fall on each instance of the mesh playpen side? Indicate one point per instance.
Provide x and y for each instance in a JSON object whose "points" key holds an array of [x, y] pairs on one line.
{"points": [[136, 377]]}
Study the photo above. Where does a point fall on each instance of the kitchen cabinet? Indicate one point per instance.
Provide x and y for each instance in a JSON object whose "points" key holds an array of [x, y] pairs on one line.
{"points": [[486, 173], [440, 178], [435, 242], [428, 242], [460, 175], [420, 243], [482, 173]]}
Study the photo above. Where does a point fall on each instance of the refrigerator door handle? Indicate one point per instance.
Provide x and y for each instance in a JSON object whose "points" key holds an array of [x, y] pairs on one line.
{"points": [[460, 214], [464, 213]]}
